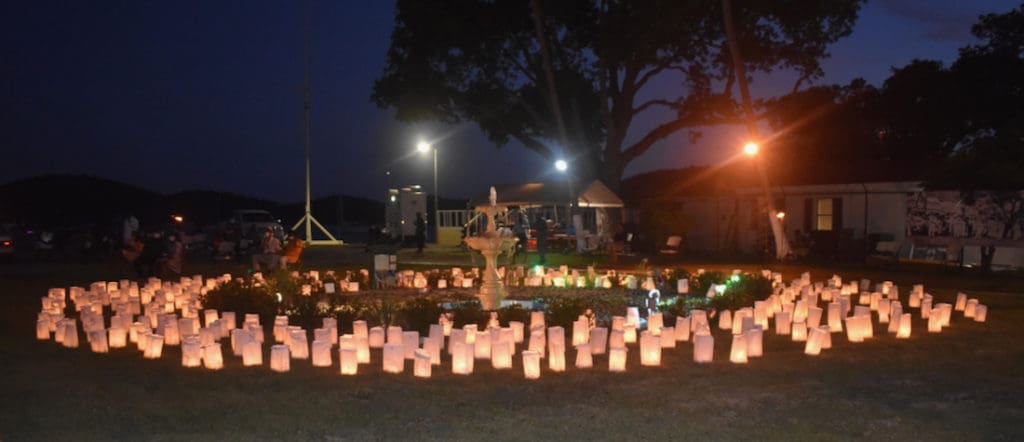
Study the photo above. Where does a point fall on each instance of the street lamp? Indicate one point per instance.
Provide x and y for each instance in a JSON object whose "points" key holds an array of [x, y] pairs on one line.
{"points": [[751, 149], [563, 167], [424, 147]]}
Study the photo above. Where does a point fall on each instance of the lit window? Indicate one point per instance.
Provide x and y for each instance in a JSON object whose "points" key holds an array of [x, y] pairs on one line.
{"points": [[824, 214]]}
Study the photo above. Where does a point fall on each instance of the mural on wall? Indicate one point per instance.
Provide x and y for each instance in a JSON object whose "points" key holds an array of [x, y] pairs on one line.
{"points": [[988, 215]]}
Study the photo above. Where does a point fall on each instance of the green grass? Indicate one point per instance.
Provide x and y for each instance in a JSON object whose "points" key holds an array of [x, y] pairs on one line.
{"points": [[961, 384]]}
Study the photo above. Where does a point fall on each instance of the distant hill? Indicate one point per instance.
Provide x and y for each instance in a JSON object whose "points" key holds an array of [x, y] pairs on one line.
{"points": [[58, 200]]}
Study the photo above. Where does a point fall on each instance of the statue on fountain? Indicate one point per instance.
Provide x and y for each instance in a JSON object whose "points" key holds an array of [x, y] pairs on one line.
{"points": [[490, 243]]}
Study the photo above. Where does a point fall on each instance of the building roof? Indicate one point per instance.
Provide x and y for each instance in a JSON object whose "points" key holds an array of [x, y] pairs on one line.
{"points": [[709, 181]]}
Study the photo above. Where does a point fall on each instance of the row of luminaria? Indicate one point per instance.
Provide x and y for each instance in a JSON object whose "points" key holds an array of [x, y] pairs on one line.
{"points": [[164, 313]]}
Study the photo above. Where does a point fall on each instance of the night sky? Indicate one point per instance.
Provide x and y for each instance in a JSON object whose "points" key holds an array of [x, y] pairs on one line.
{"points": [[208, 95]]}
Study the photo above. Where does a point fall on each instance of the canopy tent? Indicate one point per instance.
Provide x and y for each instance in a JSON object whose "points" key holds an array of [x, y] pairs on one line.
{"points": [[539, 194]]}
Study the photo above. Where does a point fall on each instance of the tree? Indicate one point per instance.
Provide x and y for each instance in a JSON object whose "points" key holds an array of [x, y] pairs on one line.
{"points": [[988, 160], [825, 125], [480, 61]]}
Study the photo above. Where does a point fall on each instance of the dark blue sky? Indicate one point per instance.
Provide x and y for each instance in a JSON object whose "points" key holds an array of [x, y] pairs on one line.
{"points": [[186, 95]]}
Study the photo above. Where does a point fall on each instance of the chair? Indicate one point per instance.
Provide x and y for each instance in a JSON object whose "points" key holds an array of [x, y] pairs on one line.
{"points": [[672, 245], [292, 253]]}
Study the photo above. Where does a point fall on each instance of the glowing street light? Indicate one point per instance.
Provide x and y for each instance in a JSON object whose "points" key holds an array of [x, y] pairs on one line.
{"points": [[178, 218], [423, 147], [561, 165], [750, 149]]}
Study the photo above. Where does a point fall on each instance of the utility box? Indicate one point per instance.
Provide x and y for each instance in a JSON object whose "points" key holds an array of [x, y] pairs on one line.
{"points": [[400, 210]]}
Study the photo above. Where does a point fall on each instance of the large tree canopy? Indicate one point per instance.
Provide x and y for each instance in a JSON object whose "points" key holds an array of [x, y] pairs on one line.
{"points": [[957, 128], [480, 60]]}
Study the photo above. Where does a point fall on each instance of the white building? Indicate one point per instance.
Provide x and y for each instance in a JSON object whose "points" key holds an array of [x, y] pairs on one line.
{"points": [[848, 221], [401, 207]]}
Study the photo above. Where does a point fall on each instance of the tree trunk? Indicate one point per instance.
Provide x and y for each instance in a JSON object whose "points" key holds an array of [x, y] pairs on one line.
{"points": [[611, 167], [782, 249], [987, 253]]}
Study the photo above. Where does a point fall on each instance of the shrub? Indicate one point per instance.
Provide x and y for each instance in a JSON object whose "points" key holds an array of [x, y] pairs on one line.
{"points": [[469, 312], [670, 276], [564, 310], [305, 311], [346, 311], [281, 281], [606, 305], [242, 296], [682, 305], [699, 284], [418, 313], [380, 312], [514, 312], [742, 291]]}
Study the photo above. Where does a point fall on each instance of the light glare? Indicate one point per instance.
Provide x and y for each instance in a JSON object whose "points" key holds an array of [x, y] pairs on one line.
{"points": [[751, 148]]}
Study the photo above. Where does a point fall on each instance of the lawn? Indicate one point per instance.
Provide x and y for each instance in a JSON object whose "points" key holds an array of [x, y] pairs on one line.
{"points": [[962, 384]]}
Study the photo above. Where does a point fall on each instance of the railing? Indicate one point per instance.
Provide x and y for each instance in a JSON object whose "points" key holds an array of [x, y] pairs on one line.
{"points": [[450, 222]]}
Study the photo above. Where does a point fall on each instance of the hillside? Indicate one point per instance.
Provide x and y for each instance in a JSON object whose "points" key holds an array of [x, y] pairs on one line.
{"points": [[56, 200]]}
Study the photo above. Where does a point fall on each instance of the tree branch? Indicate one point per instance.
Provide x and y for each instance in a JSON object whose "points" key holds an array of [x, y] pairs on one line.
{"points": [[799, 81], [655, 102], [541, 123], [650, 74], [671, 127], [534, 144], [522, 67], [730, 79]]}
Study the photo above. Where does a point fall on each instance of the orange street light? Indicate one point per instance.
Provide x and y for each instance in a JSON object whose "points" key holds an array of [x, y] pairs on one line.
{"points": [[750, 149]]}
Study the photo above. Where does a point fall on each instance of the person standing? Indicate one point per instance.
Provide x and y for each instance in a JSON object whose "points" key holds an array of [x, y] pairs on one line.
{"points": [[421, 232], [128, 229], [174, 257], [542, 238], [519, 228]]}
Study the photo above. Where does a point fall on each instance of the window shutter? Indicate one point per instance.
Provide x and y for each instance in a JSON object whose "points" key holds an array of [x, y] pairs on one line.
{"points": [[809, 214], [837, 214]]}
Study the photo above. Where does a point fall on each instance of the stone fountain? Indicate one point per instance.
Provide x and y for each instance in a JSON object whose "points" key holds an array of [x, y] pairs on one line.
{"points": [[490, 244]]}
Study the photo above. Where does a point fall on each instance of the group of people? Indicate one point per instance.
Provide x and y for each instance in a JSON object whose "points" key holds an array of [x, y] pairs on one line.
{"points": [[161, 253], [273, 255], [153, 254]]}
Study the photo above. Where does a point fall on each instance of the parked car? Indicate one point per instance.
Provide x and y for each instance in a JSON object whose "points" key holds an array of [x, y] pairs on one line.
{"points": [[256, 219]]}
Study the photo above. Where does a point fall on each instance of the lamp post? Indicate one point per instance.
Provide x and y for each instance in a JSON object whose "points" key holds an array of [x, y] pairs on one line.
{"points": [[775, 218], [563, 167], [424, 147]]}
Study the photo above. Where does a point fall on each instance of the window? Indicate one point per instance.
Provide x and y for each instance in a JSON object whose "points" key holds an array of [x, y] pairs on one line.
{"points": [[824, 214]]}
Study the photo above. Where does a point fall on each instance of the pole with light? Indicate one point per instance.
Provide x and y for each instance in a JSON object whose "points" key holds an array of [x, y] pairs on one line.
{"points": [[563, 167], [775, 217], [425, 147], [782, 248]]}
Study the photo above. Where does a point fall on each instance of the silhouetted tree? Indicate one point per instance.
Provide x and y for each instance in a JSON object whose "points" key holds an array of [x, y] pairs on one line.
{"points": [[479, 60]]}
